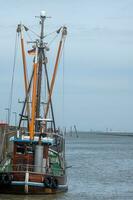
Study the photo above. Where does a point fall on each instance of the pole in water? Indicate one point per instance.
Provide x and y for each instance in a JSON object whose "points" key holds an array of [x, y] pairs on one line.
{"points": [[64, 131], [71, 131], [76, 131]]}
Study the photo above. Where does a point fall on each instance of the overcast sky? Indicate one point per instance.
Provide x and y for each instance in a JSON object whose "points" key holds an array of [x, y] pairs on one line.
{"points": [[98, 92]]}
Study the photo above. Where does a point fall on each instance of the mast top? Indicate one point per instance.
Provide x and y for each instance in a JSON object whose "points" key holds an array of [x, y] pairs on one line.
{"points": [[42, 19], [43, 14]]}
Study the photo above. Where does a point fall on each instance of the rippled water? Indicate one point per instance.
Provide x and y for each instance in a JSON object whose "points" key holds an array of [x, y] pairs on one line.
{"points": [[102, 168]]}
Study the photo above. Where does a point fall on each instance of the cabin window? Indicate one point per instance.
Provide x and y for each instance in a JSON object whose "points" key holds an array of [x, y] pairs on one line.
{"points": [[24, 149], [29, 150], [20, 149]]}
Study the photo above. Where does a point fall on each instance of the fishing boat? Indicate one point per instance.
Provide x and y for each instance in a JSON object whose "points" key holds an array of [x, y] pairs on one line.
{"points": [[37, 163]]}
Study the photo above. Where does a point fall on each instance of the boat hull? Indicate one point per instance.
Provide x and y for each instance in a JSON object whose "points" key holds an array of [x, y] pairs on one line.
{"points": [[24, 189], [18, 184]]}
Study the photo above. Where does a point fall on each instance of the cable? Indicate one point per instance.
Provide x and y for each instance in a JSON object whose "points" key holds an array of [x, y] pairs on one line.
{"points": [[28, 35], [33, 32], [63, 93], [13, 72], [53, 40], [50, 33]]}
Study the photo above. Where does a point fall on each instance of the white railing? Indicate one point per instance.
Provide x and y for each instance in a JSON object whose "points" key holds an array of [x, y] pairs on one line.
{"points": [[30, 168]]}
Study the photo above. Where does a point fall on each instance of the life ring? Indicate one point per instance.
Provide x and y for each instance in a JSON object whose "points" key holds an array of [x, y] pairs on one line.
{"points": [[54, 183], [51, 182], [47, 182], [6, 179]]}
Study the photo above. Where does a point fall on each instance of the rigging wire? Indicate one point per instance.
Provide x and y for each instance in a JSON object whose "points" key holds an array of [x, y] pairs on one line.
{"points": [[50, 43], [33, 32], [47, 35], [13, 73], [51, 33], [30, 38], [61, 55], [63, 85], [53, 40], [28, 35], [45, 82]]}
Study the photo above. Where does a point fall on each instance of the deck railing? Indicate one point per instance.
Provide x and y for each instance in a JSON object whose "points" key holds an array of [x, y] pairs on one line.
{"points": [[31, 168]]}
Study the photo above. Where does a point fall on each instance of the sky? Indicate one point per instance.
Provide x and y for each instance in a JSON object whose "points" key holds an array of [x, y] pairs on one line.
{"points": [[94, 90]]}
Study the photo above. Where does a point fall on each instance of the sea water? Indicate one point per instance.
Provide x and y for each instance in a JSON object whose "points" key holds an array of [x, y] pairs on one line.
{"points": [[102, 168]]}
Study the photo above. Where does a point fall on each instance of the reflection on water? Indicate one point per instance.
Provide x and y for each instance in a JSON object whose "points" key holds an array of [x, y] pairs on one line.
{"points": [[32, 197], [102, 168]]}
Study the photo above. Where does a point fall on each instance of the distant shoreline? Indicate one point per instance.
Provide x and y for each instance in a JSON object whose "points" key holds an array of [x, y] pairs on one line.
{"points": [[114, 133]]}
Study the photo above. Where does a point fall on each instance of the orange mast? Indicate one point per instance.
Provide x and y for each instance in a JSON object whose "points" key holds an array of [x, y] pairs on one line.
{"points": [[20, 29], [24, 62], [34, 91], [64, 32]]}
